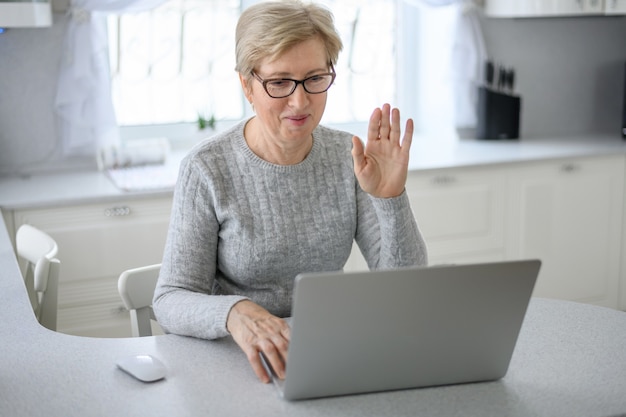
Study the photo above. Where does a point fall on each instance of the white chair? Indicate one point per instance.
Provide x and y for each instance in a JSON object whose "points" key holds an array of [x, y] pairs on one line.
{"points": [[136, 287], [41, 272]]}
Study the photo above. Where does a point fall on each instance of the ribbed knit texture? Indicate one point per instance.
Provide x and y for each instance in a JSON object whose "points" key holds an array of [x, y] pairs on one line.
{"points": [[242, 227]]}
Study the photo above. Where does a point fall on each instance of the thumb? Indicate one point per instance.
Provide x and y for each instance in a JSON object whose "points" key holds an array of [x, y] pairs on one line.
{"points": [[358, 154]]}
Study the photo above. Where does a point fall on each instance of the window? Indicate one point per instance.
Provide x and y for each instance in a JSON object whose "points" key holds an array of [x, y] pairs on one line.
{"points": [[175, 63]]}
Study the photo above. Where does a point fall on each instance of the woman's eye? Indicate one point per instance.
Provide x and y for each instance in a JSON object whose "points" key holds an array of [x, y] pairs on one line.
{"points": [[278, 83]]}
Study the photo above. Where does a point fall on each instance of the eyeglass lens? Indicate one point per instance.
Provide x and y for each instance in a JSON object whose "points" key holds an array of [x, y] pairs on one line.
{"points": [[284, 87]]}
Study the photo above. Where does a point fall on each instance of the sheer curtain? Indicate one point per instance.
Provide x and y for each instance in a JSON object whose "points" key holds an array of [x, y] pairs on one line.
{"points": [[464, 63], [468, 60], [83, 98]]}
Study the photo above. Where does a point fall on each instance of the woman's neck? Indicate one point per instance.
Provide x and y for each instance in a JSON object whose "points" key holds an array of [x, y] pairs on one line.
{"points": [[275, 151]]}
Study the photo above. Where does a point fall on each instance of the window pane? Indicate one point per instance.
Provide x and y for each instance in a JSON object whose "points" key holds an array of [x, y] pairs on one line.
{"points": [[173, 63], [176, 62], [366, 70]]}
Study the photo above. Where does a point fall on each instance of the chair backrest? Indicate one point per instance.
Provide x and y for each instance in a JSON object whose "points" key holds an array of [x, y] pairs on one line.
{"points": [[136, 287], [41, 273]]}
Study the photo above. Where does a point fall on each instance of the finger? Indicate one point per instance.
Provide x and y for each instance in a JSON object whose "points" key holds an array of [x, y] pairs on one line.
{"points": [[275, 358], [385, 126], [373, 129], [286, 331], [257, 365], [358, 154], [408, 136], [281, 345], [394, 135]]}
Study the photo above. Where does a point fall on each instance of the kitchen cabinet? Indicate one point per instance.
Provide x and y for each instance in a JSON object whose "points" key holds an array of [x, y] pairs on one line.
{"points": [[569, 214], [460, 213], [553, 8], [615, 7], [96, 243], [566, 212]]}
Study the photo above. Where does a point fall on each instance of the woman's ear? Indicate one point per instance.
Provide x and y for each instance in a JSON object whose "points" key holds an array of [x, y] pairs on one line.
{"points": [[247, 88]]}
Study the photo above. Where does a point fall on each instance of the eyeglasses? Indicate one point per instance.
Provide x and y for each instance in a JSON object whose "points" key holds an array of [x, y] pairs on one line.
{"points": [[284, 87]]}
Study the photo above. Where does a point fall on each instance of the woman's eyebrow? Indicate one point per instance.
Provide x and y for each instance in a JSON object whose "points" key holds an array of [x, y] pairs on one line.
{"points": [[290, 76]]}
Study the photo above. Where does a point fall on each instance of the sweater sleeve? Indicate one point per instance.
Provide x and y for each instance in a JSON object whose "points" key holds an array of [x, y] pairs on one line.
{"points": [[387, 232], [183, 301]]}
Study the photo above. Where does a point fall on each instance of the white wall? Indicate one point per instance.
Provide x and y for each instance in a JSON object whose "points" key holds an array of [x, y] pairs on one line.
{"points": [[29, 62], [570, 71]]}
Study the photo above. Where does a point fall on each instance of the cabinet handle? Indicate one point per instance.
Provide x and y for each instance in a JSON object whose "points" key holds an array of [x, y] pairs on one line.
{"points": [[117, 211], [119, 310], [569, 167], [443, 179]]}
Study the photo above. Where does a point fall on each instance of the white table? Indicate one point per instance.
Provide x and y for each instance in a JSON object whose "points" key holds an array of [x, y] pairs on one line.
{"points": [[570, 360]]}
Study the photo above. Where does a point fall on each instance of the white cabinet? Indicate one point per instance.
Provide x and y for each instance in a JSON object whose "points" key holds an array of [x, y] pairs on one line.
{"points": [[96, 243], [460, 213], [569, 215], [615, 6], [551, 8]]}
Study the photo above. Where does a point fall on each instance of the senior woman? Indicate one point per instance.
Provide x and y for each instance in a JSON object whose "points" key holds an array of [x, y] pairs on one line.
{"points": [[278, 194]]}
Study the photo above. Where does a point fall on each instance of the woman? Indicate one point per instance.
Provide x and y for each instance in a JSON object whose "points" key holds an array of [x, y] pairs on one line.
{"points": [[278, 194]]}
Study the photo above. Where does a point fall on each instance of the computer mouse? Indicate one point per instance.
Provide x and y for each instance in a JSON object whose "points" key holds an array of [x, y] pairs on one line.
{"points": [[145, 368]]}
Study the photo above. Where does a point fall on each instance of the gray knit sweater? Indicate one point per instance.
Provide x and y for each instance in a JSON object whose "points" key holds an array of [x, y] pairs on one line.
{"points": [[242, 227]]}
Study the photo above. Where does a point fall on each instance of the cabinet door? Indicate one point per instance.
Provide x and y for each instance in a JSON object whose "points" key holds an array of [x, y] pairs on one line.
{"points": [[460, 213], [96, 243], [568, 214], [615, 6]]}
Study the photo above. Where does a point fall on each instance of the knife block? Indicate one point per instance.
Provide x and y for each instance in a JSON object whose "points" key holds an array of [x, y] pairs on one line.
{"points": [[498, 115]]}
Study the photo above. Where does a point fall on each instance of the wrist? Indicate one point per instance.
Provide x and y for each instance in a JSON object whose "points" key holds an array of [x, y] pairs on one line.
{"points": [[235, 312]]}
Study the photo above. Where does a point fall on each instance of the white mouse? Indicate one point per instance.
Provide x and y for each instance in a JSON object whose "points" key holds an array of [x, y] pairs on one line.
{"points": [[145, 368]]}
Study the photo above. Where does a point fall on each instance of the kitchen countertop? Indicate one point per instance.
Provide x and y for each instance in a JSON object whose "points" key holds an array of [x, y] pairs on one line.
{"points": [[431, 154], [426, 154]]}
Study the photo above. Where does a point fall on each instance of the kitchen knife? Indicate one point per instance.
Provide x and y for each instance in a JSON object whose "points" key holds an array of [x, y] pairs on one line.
{"points": [[489, 73], [511, 80], [502, 78]]}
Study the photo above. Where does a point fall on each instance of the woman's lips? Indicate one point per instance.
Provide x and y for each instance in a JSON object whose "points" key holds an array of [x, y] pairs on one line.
{"points": [[298, 120]]}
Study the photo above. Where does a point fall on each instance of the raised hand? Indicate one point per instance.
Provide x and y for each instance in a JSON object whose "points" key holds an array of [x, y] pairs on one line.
{"points": [[381, 166]]}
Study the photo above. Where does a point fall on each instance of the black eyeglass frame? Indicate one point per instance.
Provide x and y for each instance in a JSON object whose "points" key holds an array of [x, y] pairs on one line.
{"points": [[264, 83]]}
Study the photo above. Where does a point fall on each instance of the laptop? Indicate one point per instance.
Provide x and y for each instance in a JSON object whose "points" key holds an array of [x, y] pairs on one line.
{"points": [[360, 332]]}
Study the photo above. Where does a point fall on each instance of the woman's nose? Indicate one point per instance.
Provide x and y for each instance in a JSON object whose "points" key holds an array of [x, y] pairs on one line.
{"points": [[299, 97]]}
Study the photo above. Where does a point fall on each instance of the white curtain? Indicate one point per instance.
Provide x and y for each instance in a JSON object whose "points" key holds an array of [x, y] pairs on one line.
{"points": [[83, 98], [467, 60]]}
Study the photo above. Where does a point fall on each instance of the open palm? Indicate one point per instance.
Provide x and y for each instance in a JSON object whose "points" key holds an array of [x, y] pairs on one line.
{"points": [[381, 165]]}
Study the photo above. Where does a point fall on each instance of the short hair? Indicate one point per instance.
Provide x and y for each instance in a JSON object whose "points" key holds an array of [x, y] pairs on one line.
{"points": [[268, 29]]}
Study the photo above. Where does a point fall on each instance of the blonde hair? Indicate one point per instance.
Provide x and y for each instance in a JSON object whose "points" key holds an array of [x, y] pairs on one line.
{"points": [[266, 30]]}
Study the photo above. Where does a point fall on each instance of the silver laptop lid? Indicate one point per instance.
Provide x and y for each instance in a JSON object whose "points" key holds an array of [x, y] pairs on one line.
{"points": [[405, 328]]}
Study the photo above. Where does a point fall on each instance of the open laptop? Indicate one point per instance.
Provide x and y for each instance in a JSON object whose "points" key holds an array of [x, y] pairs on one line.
{"points": [[404, 328]]}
